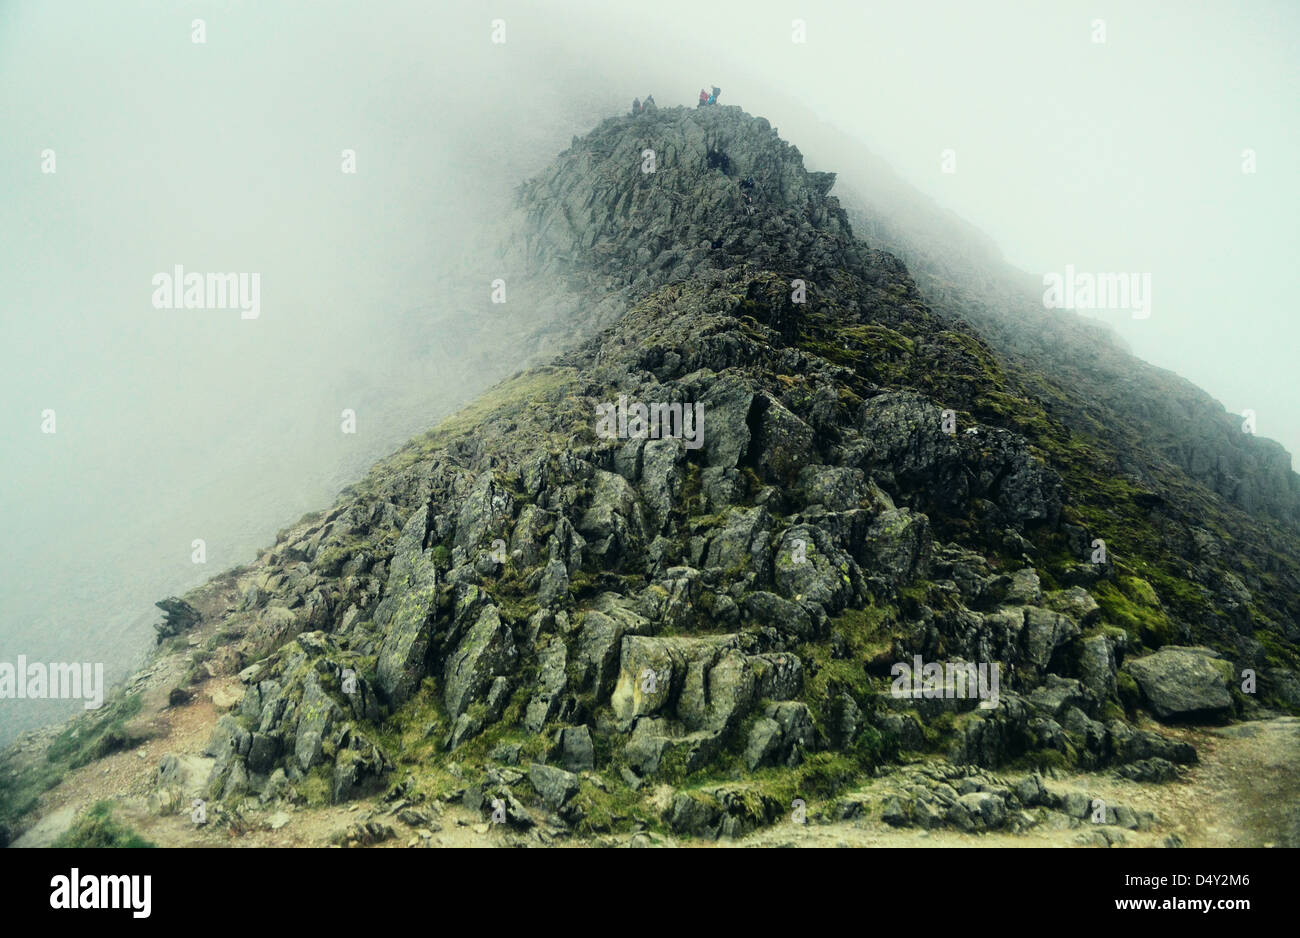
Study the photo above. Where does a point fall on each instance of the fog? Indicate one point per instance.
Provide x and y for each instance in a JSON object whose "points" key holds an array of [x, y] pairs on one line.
{"points": [[177, 425]]}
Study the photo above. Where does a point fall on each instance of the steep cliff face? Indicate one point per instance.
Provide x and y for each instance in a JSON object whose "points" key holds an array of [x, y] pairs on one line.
{"points": [[538, 605]]}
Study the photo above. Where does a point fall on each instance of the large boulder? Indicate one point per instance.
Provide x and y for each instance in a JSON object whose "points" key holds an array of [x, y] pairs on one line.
{"points": [[1183, 683]]}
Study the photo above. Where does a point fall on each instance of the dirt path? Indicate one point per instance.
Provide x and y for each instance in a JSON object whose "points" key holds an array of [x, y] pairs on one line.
{"points": [[1245, 792], [1247, 787]]}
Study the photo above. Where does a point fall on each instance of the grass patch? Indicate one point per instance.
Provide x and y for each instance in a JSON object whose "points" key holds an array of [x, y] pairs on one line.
{"points": [[96, 828]]}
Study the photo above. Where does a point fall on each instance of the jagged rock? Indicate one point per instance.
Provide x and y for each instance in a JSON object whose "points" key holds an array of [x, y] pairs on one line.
{"points": [[486, 652], [1044, 633], [484, 513], [178, 616], [763, 743], [783, 444], [809, 567], [593, 658], [1097, 669], [552, 679], [613, 525], [1183, 683], [1075, 602], [836, 488], [316, 716], [574, 749], [1091, 733], [654, 742], [904, 727], [1149, 770], [777, 676], [898, 547], [781, 736], [1030, 791], [782, 614], [554, 586], [726, 421], [1057, 695], [555, 786], [661, 478], [992, 737], [691, 814], [1126, 744], [986, 809], [359, 769], [742, 545], [1024, 588], [406, 612]]}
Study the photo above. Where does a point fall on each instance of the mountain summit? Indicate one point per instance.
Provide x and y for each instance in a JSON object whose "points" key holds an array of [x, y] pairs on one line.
{"points": [[771, 529]]}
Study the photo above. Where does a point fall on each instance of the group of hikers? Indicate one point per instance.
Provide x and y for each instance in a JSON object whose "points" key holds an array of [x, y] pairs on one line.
{"points": [[706, 98]]}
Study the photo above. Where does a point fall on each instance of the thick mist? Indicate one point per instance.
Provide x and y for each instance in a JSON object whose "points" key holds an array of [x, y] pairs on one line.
{"points": [[177, 425]]}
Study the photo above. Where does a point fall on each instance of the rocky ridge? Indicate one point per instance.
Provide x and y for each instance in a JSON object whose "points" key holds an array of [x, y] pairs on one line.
{"points": [[597, 634]]}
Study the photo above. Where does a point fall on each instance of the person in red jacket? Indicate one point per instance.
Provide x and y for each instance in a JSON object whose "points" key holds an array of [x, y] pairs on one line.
{"points": [[704, 98]]}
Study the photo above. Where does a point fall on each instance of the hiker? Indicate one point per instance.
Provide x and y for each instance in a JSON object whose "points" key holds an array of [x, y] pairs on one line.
{"points": [[704, 98], [747, 193], [636, 106], [713, 98], [649, 104]]}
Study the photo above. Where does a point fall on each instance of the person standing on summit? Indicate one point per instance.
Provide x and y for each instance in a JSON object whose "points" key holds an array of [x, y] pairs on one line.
{"points": [[713, 98], [704, 98]]}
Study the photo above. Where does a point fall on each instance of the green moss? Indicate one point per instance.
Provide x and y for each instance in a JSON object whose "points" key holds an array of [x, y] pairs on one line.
{"points": [[614, 807], [939, 730], [21, 788], [1126, 689], [96, 828], [88, 739], [317, 787], [538, 386], [1142, 621]]}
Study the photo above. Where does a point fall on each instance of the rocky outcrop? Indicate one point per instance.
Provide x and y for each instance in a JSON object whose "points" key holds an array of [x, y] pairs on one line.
{"points": [[1181, 683], [567, 620]]}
